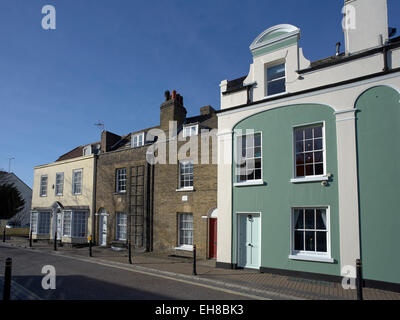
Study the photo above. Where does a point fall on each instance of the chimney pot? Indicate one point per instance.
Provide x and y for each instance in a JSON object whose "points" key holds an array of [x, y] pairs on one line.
{"points": [[173, 94], [167, 95]]}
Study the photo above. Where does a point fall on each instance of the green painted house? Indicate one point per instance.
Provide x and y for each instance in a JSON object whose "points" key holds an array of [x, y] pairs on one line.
{"points": [[308, 177]]}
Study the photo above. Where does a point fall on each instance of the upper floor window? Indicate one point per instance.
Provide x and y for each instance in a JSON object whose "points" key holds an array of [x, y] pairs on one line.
{"points": [[189, 131], [59, 183], [185, 174], [43, 186], [249, 157], [138, 140], [77, 181], [309, 151], [276, 79], [121, 180]]}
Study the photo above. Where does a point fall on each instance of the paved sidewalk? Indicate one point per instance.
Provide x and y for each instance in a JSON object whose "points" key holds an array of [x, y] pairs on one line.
{"points": [[283, 287]]}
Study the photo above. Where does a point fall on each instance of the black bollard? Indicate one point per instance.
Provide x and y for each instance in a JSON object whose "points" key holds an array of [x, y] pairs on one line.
{"points": [[30, 238], [4, 234], [7, 280], [90, 247], [359, 279], [130, 252], [194, 261], [55, 241]]}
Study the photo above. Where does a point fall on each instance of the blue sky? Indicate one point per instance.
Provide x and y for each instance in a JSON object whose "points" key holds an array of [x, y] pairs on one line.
{"points": [[112, 60]]}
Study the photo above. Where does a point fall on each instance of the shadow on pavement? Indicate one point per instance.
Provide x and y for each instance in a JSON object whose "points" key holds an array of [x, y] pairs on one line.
{"points": [[77, 287]]}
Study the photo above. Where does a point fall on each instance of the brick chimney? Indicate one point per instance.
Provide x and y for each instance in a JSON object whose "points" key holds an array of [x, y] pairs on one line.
{"points": [[206, 110], [172, 109], [108, 139]]}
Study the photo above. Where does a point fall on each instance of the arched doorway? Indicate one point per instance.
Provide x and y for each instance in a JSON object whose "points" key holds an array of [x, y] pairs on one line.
{"points": [[212, 233]]}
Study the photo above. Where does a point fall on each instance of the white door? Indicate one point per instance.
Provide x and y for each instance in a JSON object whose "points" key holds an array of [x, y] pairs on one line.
{"points": [[59, 225], [103, 230], [249, 240]]}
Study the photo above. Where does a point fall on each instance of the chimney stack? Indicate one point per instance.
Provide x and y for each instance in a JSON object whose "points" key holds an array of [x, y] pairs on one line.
{"points": [[172, 109], [365, 24]]}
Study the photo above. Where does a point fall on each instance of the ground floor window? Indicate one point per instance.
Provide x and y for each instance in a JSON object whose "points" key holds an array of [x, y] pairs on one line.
{"points": [[74, 224], [34, 219], [41, 222], [310, 231], [121, 226], [185, 232]]}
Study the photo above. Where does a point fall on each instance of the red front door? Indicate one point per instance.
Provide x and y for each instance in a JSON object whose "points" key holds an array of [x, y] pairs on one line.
{"points": [[212, 251]]}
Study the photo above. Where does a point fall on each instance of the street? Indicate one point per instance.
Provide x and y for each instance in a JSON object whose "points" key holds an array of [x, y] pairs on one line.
{"points": [[80, 280]]}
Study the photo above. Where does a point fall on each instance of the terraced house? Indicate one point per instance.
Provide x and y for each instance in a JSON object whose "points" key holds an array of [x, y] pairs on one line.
{"points": [[164, 205], [63, 196], [310, 180]]}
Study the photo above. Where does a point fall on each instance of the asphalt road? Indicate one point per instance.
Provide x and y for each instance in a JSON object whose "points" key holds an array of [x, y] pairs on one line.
{"points": [[79, 280]]}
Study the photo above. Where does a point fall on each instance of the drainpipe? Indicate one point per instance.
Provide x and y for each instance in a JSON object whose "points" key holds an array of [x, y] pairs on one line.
{"points": [[94, 198], [385, 58]]}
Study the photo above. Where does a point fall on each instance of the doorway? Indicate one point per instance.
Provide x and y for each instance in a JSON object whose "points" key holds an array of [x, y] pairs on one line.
{"points": [[212, 240], [249, 246], [103, 230]]}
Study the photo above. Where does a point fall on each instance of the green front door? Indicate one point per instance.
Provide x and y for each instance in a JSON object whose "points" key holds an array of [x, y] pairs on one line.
{"points": [[249, 240]]}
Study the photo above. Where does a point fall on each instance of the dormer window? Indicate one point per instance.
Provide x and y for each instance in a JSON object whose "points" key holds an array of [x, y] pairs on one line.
{"points": [[189, 131], [87, 150], [275, 79], [137, 140]]}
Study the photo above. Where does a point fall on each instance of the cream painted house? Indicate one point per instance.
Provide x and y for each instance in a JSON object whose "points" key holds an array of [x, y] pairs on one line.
{"points": [[63, 196]]}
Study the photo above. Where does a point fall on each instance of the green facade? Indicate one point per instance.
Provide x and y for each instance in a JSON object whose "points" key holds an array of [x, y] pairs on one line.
{"points": [[378, 152], [278, 195]]}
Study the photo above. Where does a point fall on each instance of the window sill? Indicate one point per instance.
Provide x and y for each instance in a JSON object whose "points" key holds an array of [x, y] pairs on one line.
{"points": [[119, 193], [184, 248], [310, 257], [309, 179], [185, 189], [275, 95], [249, 183]]}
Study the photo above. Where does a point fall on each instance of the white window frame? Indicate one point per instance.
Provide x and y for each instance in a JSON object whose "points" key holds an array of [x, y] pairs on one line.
{"points": [[39, 220], [73, 181], [251, 182], [313, 178], [57, 193], [73, 220], [87, 151], [34, 222], [183, 246], [67, 223], [271, 65], [136, 142], [188, 129], [118, 180], [119, 226], [43, 187], [311, 255], [180, 187]]}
